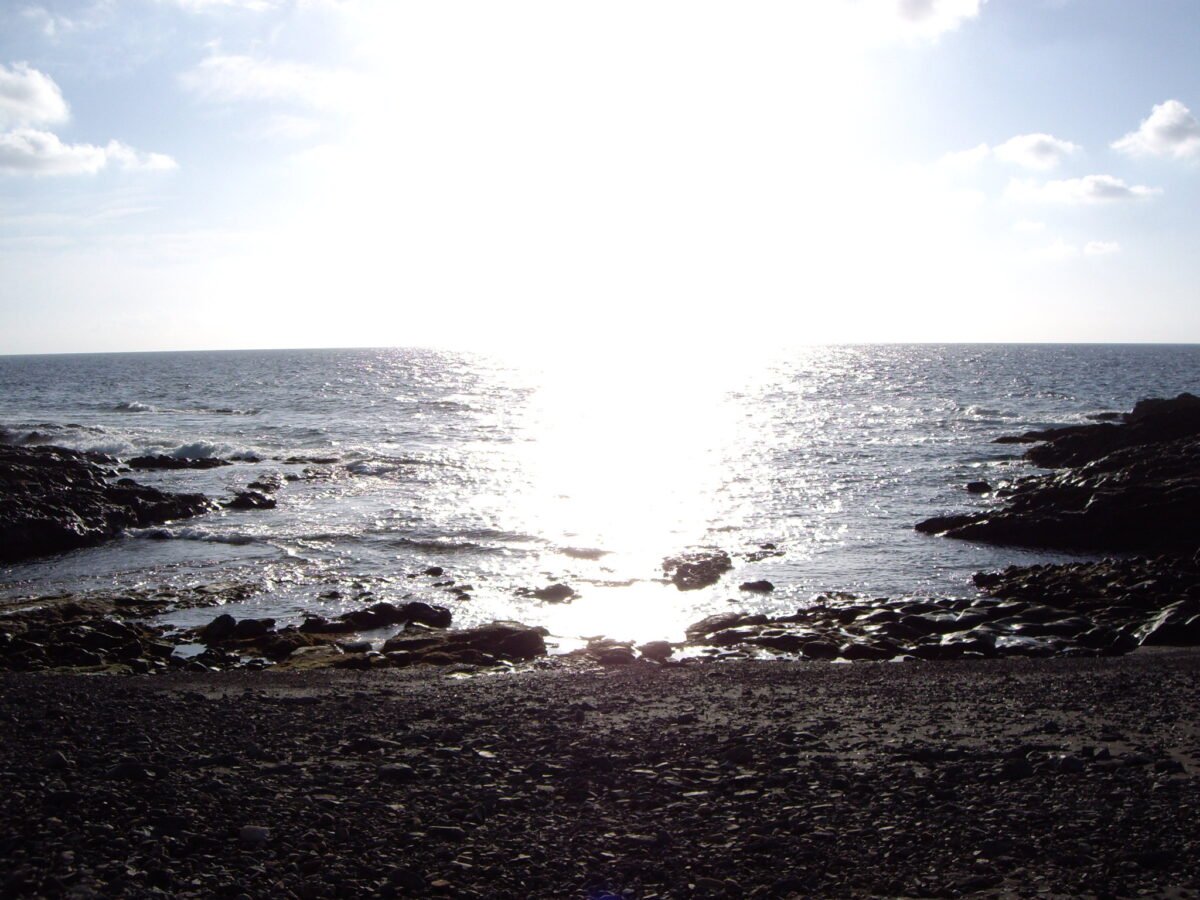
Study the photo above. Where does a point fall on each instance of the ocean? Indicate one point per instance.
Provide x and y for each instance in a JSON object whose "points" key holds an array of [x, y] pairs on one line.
{"points": [[585, 470]]}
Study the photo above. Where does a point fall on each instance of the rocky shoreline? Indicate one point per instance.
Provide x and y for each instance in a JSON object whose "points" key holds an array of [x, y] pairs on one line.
{"points": [[1037, 740], [1119, 486]]}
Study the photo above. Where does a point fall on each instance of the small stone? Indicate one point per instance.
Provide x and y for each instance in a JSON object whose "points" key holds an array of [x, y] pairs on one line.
{"points": [[757, 587], [656, 650], [57, 761], [555, 593], [396, 772], [129, 770], [254, 835]]}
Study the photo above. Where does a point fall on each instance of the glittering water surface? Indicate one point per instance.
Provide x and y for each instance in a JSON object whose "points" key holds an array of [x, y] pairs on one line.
{"points": [[585, 470]]}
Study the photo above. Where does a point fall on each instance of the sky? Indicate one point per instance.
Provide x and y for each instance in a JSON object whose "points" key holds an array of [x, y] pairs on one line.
{"points": [[545, 175]]}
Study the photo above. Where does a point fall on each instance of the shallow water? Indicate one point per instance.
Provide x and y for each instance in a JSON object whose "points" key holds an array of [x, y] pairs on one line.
{"points": [[586, 469]]}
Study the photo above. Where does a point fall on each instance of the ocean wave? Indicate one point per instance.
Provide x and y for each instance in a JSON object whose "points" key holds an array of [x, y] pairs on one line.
{"points": [[440, 545], [224, 410], [193, 533], [379, 466], [134, 406], [987, 414], [207, 449], [85, 438]]}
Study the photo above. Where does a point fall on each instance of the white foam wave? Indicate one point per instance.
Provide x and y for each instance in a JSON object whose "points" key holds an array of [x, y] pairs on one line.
{"points": [[194, 533], [209, 449], [134, 406]]}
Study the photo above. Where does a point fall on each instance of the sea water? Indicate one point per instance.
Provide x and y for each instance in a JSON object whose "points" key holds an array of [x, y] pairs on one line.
{"points": [[584, 469]]}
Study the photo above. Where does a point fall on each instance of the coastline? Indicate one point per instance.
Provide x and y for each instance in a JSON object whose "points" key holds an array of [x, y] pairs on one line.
{"points": [[1016, 777], [1038, 741]]}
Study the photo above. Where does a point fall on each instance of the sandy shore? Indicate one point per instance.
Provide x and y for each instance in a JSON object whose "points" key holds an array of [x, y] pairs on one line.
{"points": [[1058, 777]]}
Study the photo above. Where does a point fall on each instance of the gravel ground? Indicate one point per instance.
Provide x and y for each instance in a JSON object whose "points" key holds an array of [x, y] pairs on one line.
{"points": [[1054, 777]]}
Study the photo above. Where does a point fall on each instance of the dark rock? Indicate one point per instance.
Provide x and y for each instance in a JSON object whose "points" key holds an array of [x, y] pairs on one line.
{"points": [[819, 650], [397, 773], [1177, 625], [161, 461], [615, 656], [254, 835], [219, 629], [1126, 487], [693, 571], [943, 524], [656, 650], [250, 500], [252, 628], [978, 487], [759, 587], [504, 640], [721, 622], [555, 593], [129, 770], [435, 571], [53, 499]]}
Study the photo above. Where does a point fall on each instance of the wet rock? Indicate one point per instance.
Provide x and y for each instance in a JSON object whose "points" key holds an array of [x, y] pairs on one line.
{"points": [[555, 593], [658, 651], [250, 500], [53, 499], [721, 622], [380, 615], [252, 628], [1126, 487], [219, 629], [978, 487], [504, 640], [819, 650], [692, 571], [162, 461], [758, 587], [1177, 625], [435, 571]]}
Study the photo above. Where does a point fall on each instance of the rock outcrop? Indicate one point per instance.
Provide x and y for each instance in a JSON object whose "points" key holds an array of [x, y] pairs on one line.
{"points": [[53, 499], [692, 571], [1130, 487]]}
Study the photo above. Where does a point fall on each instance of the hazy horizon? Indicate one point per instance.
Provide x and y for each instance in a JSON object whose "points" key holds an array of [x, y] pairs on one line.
{"points": [[781, 349], [212, 174]]}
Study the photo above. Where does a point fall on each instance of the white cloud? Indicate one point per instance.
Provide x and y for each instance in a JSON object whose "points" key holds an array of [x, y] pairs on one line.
{"points": [[1089, 189], [1101, 248], [230, 78], [930, 18], [1031, 151], [33, 152], [28, 151], [136, 160], [1170, 130], [966, 159], [29, 97], [1035, 151]]}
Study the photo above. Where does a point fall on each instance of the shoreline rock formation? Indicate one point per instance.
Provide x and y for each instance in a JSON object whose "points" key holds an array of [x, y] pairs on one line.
{"points": [[1130, 487], [53, 499]]}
